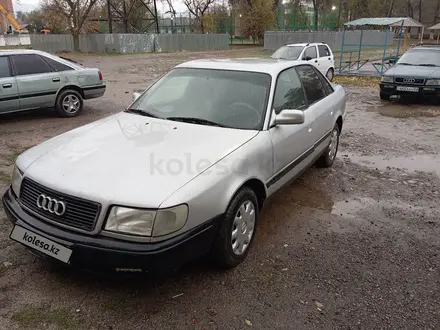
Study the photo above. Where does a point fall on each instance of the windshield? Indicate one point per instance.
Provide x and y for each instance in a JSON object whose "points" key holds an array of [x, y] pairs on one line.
{"points": [[233, 99], [288, 52], [420, 57]]}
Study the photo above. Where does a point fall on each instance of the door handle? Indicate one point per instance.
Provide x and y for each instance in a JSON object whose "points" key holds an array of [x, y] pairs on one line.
{"points": [[7, 85], [56, 79]]}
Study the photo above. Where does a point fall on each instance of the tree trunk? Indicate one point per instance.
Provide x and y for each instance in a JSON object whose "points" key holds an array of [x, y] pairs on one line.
{"points": [[202, 25], [75, 37], [420, 10], [390, 9], [339, 13]]}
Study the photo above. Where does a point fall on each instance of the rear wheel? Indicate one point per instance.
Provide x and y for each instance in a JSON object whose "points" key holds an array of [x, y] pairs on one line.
{"points": [[330, 74], [384, 96], [237, 230], [69, 103]]}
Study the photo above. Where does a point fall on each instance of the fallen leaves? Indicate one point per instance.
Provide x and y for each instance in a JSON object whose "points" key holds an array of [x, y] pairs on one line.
{"points": [[249, 323]]}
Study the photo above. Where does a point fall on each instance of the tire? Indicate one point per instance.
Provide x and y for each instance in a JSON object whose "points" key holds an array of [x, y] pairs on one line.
{"points": [[62, 106], [327, 158], [223, 253], [384, 97], [330, 74]]}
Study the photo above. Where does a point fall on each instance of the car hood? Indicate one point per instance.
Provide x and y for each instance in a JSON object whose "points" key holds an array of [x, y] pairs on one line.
{"points": [[414, 71], [129, 159]]}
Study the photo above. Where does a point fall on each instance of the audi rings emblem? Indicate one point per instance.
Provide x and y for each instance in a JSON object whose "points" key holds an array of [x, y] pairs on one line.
{"points": [[51, 205], [409, 80]]}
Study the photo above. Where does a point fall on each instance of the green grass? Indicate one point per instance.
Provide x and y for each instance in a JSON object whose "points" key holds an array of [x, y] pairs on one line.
{"points": [[360, 81], [34, 317]]}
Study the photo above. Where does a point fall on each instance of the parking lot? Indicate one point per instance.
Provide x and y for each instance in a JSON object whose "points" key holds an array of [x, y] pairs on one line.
{"points": [[354, 246]]}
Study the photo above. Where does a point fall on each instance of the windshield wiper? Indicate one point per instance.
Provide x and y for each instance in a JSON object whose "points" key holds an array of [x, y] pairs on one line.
{"points": [[428, 64], [141, 112], [194, 120]]}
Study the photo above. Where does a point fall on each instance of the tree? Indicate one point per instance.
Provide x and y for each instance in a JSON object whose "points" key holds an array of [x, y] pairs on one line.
{"points": [[198, 8], [258, 17], [75, 12]]}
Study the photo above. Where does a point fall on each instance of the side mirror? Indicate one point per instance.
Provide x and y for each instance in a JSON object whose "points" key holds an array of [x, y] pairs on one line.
{"points": [[308, 58], [289, 117], [136, 96]]}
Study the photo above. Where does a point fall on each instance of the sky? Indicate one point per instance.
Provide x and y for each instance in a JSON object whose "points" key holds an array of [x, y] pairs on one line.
{"points": [[29, 5]]}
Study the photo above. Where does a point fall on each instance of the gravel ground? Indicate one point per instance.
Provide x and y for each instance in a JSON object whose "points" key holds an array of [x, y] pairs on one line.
{"points": [[351, 247]]}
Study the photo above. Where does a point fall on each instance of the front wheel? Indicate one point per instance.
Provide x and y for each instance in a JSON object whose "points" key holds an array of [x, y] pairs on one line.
{"points": [[237, 230], [69, 103], [328, 157]]}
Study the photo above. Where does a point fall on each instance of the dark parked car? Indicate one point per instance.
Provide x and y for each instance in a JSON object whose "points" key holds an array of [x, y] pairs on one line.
{"points": [[416, 74]]}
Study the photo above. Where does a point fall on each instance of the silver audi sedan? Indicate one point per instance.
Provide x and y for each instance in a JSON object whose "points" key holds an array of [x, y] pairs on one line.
{"points": [[183, 172]]}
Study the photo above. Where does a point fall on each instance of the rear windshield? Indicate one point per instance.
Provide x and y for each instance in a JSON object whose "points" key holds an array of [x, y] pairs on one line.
{"points": [[288, 52], [421, 57]]}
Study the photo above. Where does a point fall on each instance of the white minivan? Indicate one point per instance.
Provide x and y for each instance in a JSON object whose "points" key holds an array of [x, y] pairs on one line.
{"points": [[318, 54]]}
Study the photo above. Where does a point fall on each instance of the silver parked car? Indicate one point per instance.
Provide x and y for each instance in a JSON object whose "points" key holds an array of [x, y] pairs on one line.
{"points": [[31, 79], [183, 171]]}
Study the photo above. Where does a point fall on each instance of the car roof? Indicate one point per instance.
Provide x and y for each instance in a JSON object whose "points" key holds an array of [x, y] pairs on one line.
{"points": [[39, 52], [20, 51], [262, 65], [306, 44]]}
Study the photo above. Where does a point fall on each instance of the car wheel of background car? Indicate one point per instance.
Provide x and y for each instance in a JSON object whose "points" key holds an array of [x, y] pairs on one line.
{"points": [[237, 229], [69, 103], [329, 155], [330, 74], [385, 97]]}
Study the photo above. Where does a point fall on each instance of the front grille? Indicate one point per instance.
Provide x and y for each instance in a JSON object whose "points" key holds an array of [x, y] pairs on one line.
{"points": [[80, 213], [415, 82]]}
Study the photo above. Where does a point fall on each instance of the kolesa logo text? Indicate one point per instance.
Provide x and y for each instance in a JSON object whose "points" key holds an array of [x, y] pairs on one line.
{"points": [[33, 240]]}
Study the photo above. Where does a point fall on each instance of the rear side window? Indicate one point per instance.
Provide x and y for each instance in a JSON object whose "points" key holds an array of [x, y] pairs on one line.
{"points": [[323, 51], [310, 52], [313, 85], [57, 66], [4, 67], [29, 64]]}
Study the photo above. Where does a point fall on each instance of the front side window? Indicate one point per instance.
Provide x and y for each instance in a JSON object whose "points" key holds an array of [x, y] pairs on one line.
{"points": [[4, 67], [310, 53], [233, 99], [29, 64], [313, 86], [289, 93]]}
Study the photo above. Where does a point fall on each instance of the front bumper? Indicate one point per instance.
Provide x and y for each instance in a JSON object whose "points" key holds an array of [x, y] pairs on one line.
{"points": [[423, 91], [102, 254]]}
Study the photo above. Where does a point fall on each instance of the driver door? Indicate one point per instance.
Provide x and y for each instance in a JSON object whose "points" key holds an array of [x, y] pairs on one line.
{"points": [[292, 144]]}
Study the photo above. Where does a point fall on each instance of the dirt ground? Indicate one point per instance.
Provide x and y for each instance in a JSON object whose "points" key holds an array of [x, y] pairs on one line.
{"points": [[356, 246]]}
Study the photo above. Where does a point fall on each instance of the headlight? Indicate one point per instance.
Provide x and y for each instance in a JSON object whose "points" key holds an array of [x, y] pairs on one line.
{"points": [[387, 79], [17, 176], [145, 222], [432, 82]]}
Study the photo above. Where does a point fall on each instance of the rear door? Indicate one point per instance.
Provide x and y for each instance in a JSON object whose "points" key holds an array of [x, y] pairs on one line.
{"points": [[325, 59], [319, 99], [38, 83], [8, 87]]}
